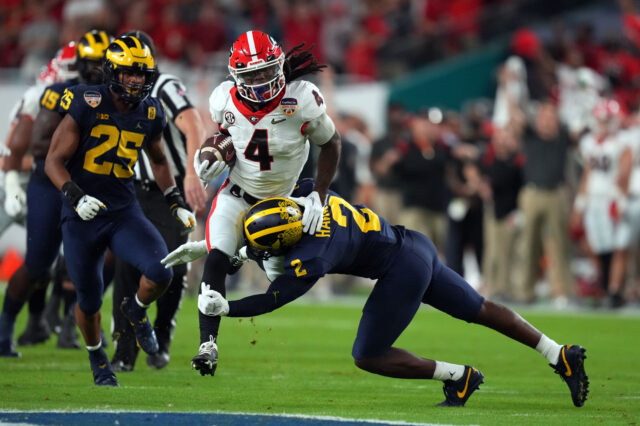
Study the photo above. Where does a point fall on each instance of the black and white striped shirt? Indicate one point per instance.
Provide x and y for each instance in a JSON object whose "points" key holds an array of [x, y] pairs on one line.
{"points": [[170, 90]]}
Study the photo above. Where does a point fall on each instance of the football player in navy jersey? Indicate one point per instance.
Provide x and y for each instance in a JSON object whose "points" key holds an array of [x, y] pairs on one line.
{"points": [[354, 240], [90, 160], [43, 199]]}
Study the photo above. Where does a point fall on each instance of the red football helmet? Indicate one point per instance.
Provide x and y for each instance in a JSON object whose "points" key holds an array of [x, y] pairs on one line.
{"points": [[256, 63], [64, 63], [47, 74], [609, 115]]}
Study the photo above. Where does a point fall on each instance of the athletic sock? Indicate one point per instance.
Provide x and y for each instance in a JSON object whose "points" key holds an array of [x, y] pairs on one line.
{"points": [[10, 310], [446, 371], [142, 305], [549, 349], [94, 348]]}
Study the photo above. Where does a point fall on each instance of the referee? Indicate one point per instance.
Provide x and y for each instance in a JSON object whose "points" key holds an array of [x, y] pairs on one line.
{"points": [[182, 137]]}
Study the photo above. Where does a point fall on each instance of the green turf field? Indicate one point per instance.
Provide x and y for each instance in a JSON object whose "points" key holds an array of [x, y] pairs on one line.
{"points": [[298, 360]]}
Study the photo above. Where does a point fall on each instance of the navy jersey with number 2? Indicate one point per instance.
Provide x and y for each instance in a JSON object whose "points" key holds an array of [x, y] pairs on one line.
{"points": [[356, 241]]}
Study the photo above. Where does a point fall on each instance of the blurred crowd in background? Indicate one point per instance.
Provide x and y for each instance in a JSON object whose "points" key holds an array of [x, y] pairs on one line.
{"points": [[498, 179], [365, 39]]}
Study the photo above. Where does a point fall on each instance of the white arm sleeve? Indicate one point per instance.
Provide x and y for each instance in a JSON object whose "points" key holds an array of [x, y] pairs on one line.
{"points": [[320, 130]]}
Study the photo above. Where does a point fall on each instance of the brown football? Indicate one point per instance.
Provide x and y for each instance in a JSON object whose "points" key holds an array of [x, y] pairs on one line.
{"points": [[218, 147]]}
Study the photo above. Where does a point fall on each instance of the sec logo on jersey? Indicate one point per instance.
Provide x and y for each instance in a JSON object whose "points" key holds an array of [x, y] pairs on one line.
{"points": [[229, 117]]}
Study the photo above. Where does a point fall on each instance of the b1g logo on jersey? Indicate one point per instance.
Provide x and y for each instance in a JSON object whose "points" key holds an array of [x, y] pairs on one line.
{"points": [[289, 106], [151, 113], [93, 99], [229, 117]]}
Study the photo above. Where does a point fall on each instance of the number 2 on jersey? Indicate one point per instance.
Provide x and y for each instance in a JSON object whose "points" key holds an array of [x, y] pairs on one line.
{"points": [[258, 149], [114, 138]]}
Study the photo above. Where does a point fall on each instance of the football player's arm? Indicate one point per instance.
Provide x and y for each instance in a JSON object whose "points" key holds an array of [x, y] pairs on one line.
{"points": [[624, 175], [322, 132], [18, 142], [190, 124], [159, 164], [44, 125], [64, 143], [282, 290], [167, 184]]}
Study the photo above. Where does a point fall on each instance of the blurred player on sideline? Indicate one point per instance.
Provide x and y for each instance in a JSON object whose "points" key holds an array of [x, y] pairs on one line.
{"points": [[61, 68], [90, 160], [602, 199], [43, 200], [354, 240], [269, 114], [182, 137]]}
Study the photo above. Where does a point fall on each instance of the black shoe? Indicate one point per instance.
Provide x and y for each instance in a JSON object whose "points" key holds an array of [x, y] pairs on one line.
{"points": [[137, 316], [207, 359], [68, 336], [159, 360], [52, 313], [37, 331], [101, 368], [570, 367], [119, 366], [458, 391], [8, 351]]}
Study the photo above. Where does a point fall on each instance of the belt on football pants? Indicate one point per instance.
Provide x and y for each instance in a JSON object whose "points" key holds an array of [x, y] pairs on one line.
{"points": [[238, 192]]}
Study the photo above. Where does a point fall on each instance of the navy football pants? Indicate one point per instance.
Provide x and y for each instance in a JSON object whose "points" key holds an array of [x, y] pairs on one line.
{"points": [[129, 235], [417, 276]]}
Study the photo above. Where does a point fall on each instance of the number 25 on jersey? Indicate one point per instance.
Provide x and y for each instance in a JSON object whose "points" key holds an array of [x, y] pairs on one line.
{"points": [[115, 138]]}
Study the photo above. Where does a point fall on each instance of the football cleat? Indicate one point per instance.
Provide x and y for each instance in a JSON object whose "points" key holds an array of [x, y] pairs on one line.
{"points": [[119, 366], [101, 369], [68, 335], [137, 316], [159, 360], [37, 331], [8, 351], [570, 367], [207, 359], [456, 392]]}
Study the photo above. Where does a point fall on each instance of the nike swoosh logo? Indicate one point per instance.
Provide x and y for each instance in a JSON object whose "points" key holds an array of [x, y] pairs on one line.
{"points": [[274, 121], [566, 364], [466, 386]]}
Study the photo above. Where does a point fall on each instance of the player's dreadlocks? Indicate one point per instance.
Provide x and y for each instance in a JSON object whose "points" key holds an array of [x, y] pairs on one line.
{"points": [[299, 62]]}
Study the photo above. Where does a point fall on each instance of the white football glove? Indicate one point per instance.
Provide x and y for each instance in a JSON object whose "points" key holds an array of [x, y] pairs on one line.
{"points": [[187, 252], [187, 218], [15, 199], [312, 215], [5, 151], [88, 207], [211, 303], [205, 172], [240, 257]]}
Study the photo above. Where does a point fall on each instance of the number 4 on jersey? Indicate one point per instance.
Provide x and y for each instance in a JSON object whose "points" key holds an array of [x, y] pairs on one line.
{"points": [[258, 149]]}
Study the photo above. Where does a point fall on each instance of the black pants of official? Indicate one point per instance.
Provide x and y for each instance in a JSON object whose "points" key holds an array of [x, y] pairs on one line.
{"points": [[127, 279]]}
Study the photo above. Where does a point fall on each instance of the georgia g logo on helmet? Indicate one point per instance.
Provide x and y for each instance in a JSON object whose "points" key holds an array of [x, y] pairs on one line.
{"points": [[272, 226], [128, 54], [256, 63]]}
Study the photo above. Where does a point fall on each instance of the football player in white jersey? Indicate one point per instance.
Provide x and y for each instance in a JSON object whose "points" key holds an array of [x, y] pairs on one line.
{"points": [[602, 198], [270, 115]]}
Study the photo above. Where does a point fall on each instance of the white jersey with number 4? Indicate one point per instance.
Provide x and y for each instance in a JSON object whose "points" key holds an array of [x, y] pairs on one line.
{"points": [[271, 147]]}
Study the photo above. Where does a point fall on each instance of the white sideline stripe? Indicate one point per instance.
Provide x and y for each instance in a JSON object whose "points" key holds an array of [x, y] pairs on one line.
{"points": [[235, 413], [252, 44]]}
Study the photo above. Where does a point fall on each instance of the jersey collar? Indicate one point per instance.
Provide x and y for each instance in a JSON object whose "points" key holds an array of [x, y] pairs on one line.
{"points": [[254, 117]]}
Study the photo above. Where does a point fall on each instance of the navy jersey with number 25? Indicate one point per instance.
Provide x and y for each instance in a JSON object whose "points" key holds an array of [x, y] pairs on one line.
{"points": [[110, 142]]}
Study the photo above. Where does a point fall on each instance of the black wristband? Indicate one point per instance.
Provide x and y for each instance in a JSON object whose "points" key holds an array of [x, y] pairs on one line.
{"points": [[174, 198], [72, 192]]}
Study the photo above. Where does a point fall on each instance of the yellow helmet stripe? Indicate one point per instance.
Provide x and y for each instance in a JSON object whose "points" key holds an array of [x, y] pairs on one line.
{"points": [[274, 230], [276, 210]]}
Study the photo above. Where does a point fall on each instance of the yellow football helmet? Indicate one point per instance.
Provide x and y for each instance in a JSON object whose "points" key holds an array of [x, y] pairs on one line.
{"points": [[272, 226], [90, 55], [128, 53]]}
